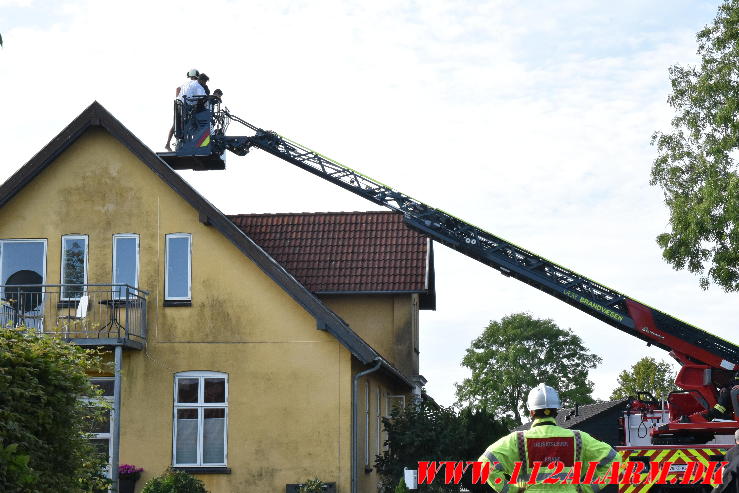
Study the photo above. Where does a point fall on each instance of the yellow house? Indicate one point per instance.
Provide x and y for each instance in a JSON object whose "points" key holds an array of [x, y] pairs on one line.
{"points": [[254, 351]]}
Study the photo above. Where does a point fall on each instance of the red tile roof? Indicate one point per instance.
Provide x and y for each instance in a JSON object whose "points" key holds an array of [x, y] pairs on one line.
{"points": [[343, 251]]}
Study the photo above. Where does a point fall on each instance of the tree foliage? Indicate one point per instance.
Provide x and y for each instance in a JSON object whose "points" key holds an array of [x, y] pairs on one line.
{"points": [[696, 166], [43, 422], [647, 374], [514, 355], [425, 431], [173, 481]]}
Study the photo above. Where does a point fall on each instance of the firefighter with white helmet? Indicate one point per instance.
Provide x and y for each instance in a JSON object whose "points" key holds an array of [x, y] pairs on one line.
{"points": [[546, 443], [189, 89]]}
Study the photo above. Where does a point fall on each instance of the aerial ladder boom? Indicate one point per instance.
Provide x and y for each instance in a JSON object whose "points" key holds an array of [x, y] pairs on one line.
{"points": [[704, 357]]}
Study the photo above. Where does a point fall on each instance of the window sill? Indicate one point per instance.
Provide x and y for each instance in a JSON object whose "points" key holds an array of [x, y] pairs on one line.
{"points": [[177, 302], [204, 470], [67, 303]]}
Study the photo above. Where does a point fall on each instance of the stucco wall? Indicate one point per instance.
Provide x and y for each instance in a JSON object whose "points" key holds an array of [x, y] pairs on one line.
{"points": [[386, 322], [289, 384]]}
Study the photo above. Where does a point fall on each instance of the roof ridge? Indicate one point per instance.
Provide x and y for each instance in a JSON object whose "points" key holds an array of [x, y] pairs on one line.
{"points": [[328, 213]]}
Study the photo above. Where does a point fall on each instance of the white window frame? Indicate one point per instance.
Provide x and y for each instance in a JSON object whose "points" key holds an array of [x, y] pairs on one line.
{"points": [[40, 325], [378, 422], [389, 406], [24, 240], [415, 322], [366, 424], [200, 406], [166, 267], [138, 250], [106, 436], [85, 264]]}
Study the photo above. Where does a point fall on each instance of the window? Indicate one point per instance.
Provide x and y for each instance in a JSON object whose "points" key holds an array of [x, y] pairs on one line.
{"points": [[101, 430], [200, 418], [366, 425], [74, 266], [379, 421], [393, 402], [414, 322], [125, 262], [178, 266], [22, 262]]}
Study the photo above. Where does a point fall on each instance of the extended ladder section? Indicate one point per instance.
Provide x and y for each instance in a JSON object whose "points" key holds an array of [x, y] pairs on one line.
{"points": [[706, 360], [599, 301], [202, 143]]}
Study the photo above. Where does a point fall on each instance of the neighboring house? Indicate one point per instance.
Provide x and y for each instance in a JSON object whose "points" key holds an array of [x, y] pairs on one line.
{"points": [[601, 420], [239, 340]]}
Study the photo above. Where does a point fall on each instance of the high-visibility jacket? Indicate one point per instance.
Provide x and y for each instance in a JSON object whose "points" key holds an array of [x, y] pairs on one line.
{"points": [[546, 442]]}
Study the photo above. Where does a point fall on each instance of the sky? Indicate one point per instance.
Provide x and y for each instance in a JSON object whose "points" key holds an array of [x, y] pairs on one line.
{"points": [[530, 119]]}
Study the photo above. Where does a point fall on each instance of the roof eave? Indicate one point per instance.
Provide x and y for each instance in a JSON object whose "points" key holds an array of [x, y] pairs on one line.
{"points": [[96, 115]]}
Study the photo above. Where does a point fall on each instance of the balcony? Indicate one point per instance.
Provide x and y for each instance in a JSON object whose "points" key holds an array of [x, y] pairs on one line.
{"points": [[84, 314]]}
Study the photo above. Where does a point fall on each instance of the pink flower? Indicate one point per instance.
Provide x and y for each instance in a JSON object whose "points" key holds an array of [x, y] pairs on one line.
{"points": [[129, 471]]}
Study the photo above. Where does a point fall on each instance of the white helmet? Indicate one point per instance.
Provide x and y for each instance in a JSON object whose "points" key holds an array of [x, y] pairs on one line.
{"points": [[193, 73], [543, 397]]}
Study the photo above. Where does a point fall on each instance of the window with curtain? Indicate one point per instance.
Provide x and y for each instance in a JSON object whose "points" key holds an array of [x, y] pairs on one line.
{"points": [[200, 418]]}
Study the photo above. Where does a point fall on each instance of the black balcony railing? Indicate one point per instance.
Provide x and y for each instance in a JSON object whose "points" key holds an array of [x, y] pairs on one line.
{"points": [[84, 313]]}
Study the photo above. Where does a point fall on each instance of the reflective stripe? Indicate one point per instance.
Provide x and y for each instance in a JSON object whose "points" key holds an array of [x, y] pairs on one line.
{"points": [[578, 455], [493, 460], [521, 442], [720, 408], [608, 458]]}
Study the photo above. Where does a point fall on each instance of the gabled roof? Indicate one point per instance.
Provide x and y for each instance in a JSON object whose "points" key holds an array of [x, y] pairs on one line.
{"points": [[345, 252], [572, 418], [97, 116]]}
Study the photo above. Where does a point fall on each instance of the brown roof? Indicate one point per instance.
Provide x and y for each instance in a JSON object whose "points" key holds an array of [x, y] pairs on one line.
{"points": [[340, 252]]}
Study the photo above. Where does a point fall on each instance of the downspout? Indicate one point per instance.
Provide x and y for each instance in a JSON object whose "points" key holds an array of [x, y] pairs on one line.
{"points": [[116, 438], [355, 419]]}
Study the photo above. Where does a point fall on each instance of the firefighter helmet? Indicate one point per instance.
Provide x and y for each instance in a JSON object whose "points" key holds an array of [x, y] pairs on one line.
{"points": [[543, 397]]}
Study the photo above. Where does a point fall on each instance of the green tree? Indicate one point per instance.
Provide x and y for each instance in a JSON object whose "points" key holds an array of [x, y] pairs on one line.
{"points": [[425, 431], [647, 374], [514, 355], [43, 422], [696, 166]]}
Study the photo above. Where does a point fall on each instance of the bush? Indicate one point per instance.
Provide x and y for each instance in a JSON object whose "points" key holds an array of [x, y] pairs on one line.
{"points": [[401, 488], [314, 485], [173, 481], [43, 422], [425, 431]]}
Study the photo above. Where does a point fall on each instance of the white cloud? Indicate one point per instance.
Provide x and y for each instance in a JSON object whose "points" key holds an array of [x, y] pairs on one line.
{"points": [[531, 120]]}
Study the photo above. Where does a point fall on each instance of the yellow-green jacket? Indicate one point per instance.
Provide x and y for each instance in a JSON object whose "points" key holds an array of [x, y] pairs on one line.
{"points": [[546, 442]]}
